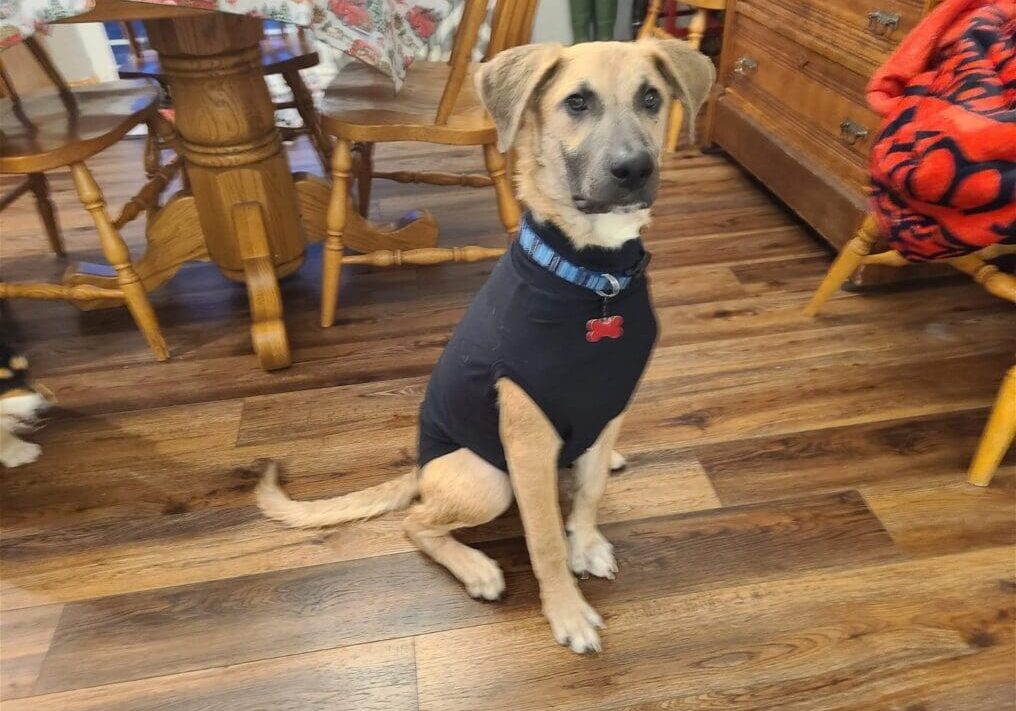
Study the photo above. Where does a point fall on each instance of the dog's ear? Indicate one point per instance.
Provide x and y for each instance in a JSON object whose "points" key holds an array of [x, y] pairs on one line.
{"points": [[689, 72], [508, 83]]}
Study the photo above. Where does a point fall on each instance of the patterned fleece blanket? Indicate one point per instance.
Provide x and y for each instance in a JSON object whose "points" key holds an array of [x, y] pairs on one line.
{"points": [[943, 166]]}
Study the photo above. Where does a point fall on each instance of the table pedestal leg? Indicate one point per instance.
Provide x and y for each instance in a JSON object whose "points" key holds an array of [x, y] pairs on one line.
{"points": [[226, 127]]}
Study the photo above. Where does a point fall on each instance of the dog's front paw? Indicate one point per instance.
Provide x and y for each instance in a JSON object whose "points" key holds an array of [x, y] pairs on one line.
{"points": [[16, 452], [573, 622], [591, 554]]}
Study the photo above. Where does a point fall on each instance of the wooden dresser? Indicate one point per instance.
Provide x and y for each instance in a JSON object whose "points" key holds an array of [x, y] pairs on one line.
{"points": [[790, 106]]}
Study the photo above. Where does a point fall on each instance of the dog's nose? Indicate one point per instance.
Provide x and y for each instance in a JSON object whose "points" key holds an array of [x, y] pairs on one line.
{"points": [[632, 168]]}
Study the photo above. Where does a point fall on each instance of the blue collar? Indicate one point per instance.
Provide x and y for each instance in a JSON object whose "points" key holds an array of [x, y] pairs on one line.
{"points": [[604, 284]]}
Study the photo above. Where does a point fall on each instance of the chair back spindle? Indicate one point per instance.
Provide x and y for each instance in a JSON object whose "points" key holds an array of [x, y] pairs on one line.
{"points": [[511, 26], [465, 40]]}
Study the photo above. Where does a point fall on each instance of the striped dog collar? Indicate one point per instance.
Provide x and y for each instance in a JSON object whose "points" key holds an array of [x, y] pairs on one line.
{"points": [[604, 284]]}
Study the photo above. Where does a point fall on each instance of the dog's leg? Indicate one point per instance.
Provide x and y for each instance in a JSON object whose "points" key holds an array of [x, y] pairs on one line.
{"points": [[14, 451], [589, 552], [532, 445], [459, 490]]}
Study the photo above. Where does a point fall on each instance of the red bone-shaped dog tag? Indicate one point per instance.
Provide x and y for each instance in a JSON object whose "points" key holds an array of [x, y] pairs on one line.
{"points": [[607, 327]]}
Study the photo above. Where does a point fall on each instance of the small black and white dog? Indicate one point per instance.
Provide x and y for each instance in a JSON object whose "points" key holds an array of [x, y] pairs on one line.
{"points": [[21, 404]]}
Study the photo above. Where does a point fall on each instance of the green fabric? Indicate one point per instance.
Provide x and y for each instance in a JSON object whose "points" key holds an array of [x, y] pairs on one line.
{"points": [[606, 17], [581, 20]]}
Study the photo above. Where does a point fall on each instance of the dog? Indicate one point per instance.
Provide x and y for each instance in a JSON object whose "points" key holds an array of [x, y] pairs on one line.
{"points": [[541, 369], [22, 402]]}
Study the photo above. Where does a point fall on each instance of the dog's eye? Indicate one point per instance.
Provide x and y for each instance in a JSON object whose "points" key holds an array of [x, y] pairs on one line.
{"points": [[576, 103], [651, 99]]}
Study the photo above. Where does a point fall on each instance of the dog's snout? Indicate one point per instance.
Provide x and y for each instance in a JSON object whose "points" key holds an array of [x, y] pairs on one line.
{"points": [[632, 169]]}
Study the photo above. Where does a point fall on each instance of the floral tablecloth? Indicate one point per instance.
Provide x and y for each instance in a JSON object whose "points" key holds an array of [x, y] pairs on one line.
{"points": [[384, 33]]}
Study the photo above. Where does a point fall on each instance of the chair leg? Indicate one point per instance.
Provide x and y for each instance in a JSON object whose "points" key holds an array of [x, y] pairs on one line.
{"points": [[849, 259], [993, 279], [674, 124], [364, 178], [304, 101], [998, 433], [335, 223], [697, 28], [116, 252], [152, 160], [507, 207], [39, 186]]}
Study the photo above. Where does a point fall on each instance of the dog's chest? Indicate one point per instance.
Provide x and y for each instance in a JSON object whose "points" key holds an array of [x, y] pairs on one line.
{"points": [[533, 328]]}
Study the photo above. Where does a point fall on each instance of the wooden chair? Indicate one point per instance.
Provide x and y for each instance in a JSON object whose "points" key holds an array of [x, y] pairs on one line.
{"points": [[437, 104], [36, 183], [1001, 428], [129, 34], [56, 128], [696, 30], [281, 55]]}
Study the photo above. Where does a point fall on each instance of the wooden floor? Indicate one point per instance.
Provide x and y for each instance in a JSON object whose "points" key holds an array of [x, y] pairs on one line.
{"points": [[794, 530]]}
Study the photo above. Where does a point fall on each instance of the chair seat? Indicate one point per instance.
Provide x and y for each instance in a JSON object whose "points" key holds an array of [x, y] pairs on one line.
{"points": [[279, 54], [362, 106], [43, 135]]}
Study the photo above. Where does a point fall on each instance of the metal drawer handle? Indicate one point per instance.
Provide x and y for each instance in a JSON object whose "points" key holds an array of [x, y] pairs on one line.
{"points": [[745, 65], [883, 22], [851, 132]]}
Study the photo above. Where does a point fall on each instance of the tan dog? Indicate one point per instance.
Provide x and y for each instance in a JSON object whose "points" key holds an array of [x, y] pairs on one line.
{"points": [[588, 125]]}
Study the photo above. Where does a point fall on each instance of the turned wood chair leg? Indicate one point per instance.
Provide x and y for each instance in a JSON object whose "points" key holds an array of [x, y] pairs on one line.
{"points": [[335, 223], [116, 252], [507, 207], [304, 102], [674, 123], [849, 259], [697, 28], [998, 433], [993, 279], [364, 178], [39, 186], [152, 160]]}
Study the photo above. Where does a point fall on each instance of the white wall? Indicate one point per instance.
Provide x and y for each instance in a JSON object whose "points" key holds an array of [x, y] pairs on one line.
{"points": [[553, 22], [81, 52]]}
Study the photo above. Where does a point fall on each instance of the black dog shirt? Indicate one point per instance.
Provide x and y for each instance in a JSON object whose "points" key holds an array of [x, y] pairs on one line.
{"points": [[545, 333]]}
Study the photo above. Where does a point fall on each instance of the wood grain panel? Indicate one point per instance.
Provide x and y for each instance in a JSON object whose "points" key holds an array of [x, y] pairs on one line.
{"points": [[116, 553], [945, 514], [366, 408], [370, 677], [705, 409], [232, 621], [806, 96], [860, 639], [826, 202], [910, 471], [856, 46], [24, 640]]}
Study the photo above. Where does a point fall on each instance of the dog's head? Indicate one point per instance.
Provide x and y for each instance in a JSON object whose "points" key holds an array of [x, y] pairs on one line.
{"points": [[588, 123], [21, 400]]}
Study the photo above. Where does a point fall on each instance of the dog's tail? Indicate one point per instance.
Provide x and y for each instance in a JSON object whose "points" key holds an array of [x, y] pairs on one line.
{"points": [[388, 496]]}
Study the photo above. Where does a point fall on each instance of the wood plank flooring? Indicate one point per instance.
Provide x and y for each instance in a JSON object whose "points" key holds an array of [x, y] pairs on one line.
{"points": [[793, 528]]}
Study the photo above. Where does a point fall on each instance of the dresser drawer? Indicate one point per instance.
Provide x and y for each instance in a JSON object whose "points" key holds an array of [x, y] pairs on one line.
{"points": [[858, 34], [811, 102]]}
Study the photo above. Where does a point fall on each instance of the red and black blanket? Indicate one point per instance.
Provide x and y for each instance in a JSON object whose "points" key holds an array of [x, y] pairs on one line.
{"points": [[943, 166]]}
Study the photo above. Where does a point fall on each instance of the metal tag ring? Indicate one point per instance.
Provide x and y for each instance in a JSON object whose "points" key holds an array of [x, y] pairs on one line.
{"points": [[615, 285]]}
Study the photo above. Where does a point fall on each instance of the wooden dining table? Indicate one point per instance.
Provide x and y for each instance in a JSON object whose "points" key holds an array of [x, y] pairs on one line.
{"points": [[244, 209]]}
